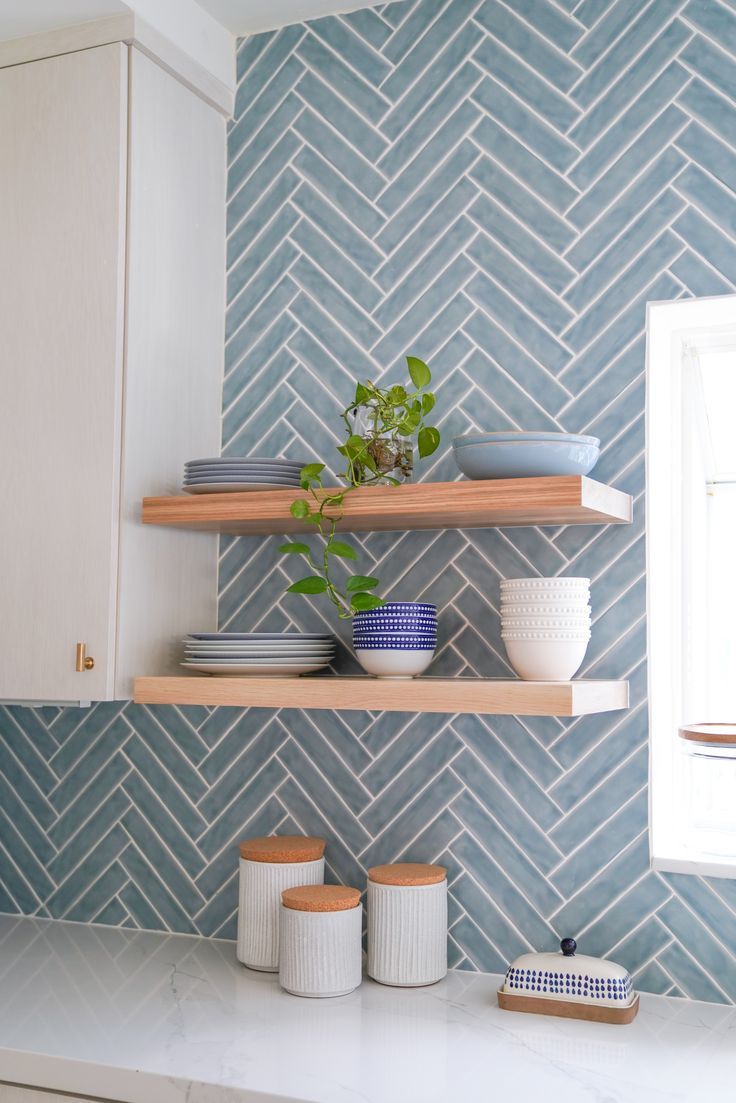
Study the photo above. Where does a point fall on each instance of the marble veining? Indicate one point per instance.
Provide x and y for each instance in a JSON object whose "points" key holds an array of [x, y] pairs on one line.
{"points": [[152, 1018]]}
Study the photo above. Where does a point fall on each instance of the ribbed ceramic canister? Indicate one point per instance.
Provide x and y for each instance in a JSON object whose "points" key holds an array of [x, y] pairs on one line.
{"points": [[321, 953], [407, 923], [267, 867]]}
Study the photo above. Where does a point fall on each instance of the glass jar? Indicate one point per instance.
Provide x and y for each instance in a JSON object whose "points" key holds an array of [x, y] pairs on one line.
{"points": [[392, 455], [710, 825]]}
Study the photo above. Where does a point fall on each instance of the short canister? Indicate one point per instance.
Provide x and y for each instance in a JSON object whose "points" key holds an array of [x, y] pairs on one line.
{"points": [[267, 867], [407, 923], [321, 952]]}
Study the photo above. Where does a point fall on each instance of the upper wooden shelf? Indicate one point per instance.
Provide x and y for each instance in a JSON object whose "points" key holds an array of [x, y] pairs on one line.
{"points": [[511, 697], [565, 500]]}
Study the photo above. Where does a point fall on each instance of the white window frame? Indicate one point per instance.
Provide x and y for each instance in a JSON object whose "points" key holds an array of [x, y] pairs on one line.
{"points": [[672, 329]]}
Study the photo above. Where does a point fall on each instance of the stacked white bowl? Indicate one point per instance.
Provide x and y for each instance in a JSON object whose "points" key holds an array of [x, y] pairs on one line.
{"points": [[545, 626]]}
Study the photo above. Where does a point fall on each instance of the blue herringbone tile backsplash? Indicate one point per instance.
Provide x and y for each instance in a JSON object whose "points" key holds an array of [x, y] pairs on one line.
{"points": [[498, 188]]}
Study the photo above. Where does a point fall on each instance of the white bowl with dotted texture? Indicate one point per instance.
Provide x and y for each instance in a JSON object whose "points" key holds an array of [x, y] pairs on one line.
{"points": [[545, 612], [546, 660], [553, 624], [561, 583]]}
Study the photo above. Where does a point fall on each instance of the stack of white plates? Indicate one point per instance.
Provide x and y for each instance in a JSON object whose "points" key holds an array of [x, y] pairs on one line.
{"points": [[220, 474], [545, 626], [258, 654]]}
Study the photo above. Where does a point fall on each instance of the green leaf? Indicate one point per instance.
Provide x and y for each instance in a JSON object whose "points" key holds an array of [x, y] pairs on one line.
{"points": [[428, 440], [299, 508], [362, 394], [354, 445], [360, 582], [397, 395], [340, 548], [295, 549], [366, 460], [419, 372], [428, 401], [363, 601], [311, 470], [313, 584]]}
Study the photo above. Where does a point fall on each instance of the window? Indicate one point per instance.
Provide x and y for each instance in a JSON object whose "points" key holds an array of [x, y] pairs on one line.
{"points": [[691, 581]]}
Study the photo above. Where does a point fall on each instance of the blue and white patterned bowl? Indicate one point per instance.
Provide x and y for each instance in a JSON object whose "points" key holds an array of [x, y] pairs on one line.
{"points": [[383, 622], [402, 607], [397, 641], [361, 633], [395, 630], [376, 617], [396, 626]]}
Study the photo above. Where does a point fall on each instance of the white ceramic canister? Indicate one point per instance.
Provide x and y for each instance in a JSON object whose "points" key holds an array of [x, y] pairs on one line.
{"points": [[407, 923], [267, 867], [321, 952]]}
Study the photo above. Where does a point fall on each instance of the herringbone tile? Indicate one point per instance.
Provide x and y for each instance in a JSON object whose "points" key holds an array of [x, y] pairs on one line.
{"points": [[499, 188]]}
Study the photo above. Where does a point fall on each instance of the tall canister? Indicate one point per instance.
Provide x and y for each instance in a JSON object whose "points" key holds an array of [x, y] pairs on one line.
{"points": [[267, 867]]}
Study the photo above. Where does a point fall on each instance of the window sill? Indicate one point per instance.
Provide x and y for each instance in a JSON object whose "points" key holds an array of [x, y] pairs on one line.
{"points": [[688, 860]]}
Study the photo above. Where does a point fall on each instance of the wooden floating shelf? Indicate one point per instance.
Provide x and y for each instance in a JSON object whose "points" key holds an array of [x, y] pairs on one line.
{"points": [[564, 500], [449, 695]]}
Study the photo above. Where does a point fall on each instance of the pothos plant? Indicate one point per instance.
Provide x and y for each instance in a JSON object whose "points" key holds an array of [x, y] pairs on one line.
{"points": [[388, 417]]}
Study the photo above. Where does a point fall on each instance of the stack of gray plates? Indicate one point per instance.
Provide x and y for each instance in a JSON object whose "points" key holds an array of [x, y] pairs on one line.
{"points": [[221, 474], [258, 654]]}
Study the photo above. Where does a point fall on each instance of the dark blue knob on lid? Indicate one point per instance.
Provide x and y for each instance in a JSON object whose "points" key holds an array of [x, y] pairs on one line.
{"points": [[568, 947]]}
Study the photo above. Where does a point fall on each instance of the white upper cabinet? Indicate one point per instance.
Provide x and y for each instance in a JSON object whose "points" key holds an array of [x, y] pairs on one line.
{"points": [[112, 186]]}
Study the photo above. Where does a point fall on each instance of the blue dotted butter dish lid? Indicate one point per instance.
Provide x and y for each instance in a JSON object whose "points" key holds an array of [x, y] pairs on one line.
{"points": [[571, 985]]}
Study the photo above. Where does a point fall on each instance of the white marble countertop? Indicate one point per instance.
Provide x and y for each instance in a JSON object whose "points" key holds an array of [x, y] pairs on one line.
{"points": [[150, 1018]]}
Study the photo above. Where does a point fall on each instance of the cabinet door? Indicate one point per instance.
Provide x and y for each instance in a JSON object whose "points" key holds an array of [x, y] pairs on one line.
{"points": [[62, 248]]}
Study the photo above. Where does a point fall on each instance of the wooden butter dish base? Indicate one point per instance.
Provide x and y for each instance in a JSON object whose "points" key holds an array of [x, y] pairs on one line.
{"points": [[566, 1010]]}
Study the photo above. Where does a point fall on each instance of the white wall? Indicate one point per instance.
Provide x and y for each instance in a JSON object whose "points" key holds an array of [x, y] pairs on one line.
{"points": [[194, 31]]}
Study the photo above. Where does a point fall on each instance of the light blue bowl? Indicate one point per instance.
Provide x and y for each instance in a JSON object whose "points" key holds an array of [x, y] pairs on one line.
{"points": [[526, 459], [515, 435]]}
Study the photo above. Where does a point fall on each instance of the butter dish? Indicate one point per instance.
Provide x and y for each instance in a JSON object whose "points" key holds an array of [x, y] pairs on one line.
{"points": [[569, 985]]}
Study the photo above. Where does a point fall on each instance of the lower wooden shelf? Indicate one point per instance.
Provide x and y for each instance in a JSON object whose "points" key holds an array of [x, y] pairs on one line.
{"points": [[450, 695]]}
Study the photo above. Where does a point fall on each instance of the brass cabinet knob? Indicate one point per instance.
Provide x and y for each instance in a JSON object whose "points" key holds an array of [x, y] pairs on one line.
{"points": [[84, 661]]}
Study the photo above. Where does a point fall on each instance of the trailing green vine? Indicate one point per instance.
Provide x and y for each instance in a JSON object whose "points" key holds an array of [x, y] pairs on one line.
{"points": [[393, 415]]}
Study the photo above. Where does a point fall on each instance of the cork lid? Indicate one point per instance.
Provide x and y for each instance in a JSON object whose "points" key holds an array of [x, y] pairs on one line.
{"points": [[283, 848], [407, 873], [321, 898], [709, 733]]}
